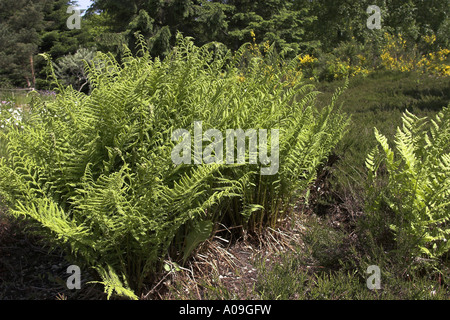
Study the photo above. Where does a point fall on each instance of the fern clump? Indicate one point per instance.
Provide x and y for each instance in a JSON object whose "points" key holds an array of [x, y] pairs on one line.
{"points": [[96, 170], [417, 187]]}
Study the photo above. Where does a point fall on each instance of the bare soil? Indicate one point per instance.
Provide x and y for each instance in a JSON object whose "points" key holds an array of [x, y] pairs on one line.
{"points": [[29, 270]]}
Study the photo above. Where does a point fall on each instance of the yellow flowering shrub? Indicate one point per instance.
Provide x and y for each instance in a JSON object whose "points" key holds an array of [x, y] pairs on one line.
{"points": [[397, 56], [307, 65], [340, 69], [261, 57], [436, 62]]}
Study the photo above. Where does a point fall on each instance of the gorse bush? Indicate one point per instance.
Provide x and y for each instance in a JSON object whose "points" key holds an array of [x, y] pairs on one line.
{"points": [[417, 189], [95, 171]]}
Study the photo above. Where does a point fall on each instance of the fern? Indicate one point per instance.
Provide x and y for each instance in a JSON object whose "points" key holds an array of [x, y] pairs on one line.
{"points": [[96, 171], [418, 182], [113, 284]]}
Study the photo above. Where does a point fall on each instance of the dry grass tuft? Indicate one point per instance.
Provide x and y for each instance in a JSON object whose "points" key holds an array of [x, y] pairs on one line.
{"points": [[225, 266]]}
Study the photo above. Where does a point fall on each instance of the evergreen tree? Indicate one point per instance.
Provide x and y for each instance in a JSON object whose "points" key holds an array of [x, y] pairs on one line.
{"points": [[155, 20], [279, 22], [230, 22], [20, 24], [71, 70], [57, 40]]}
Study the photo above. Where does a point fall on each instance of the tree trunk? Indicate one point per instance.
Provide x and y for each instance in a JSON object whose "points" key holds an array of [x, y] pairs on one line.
{"points": [[33, 77]]}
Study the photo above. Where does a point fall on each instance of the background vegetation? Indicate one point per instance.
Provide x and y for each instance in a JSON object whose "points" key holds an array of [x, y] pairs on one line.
{"points": [[334, 32]]}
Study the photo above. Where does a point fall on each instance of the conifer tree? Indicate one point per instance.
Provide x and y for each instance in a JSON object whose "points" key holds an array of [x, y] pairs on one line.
{"points": [[21, 21]]}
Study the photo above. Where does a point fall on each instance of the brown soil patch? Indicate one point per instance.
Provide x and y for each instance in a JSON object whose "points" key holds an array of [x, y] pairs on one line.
{"points": [[226, 268], [30, 271]]}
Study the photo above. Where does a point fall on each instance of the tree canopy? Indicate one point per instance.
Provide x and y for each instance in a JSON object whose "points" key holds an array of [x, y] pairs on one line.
{"points": [[30, 27]]}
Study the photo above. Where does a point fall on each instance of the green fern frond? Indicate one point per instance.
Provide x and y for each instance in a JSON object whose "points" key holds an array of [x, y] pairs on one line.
{"points": [[419, 182], [113, 284]]}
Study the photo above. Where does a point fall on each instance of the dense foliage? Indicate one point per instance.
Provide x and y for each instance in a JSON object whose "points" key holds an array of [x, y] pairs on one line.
{"points": [[96, 170], [417, 191], [294, 27]]}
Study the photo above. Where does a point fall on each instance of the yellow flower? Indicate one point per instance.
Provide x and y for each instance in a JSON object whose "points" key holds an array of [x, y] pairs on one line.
{"points": [[307, 59], [266, 46], [446, 71], [430, 39]]}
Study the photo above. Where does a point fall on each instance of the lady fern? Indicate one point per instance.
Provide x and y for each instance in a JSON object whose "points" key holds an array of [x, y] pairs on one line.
{"points": [[418, 186], [96, 170]]}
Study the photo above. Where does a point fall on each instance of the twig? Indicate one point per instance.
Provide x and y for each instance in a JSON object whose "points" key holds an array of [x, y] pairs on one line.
{"points": [[153, 289]]}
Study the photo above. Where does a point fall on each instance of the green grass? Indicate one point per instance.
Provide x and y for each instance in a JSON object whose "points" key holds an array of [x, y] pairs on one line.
{"points": [[22, 97], [18, 97], [329, 266], [379, 100]]}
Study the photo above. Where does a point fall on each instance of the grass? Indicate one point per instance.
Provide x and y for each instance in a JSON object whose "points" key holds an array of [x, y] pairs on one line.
{"points": [[324, 263], [16, 96], [377, 100], [333, 266], [22, 98]]}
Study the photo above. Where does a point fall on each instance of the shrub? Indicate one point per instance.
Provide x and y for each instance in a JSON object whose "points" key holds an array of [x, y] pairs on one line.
{"points": [[398, 54], [70, 69], [417, 190], [96, 172], [349, 59]]}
